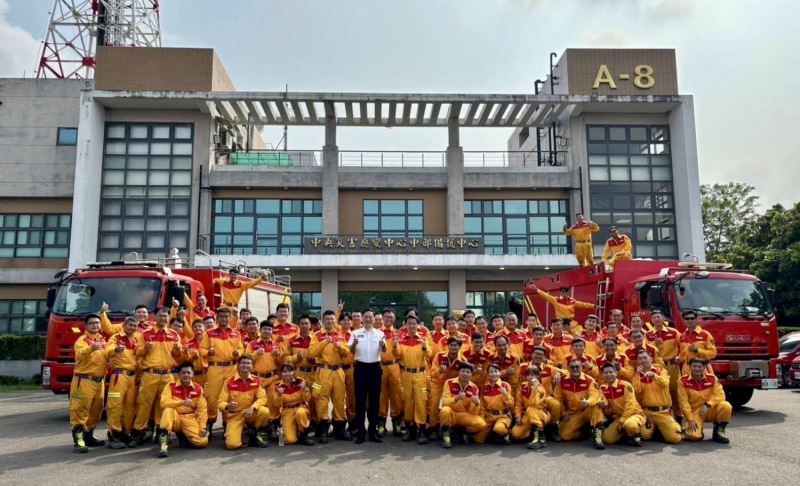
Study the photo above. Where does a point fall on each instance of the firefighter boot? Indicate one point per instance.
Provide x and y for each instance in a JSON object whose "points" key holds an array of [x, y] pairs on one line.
{"points": [[398, 428], [323, 431], [137, 439], [163, 440], [410, 433], [261, 438], [79, 445], [446, 443], [303, 438], [597, 438], [537, 442], [423, 435], [382, 427], [637, 440], [116, 441], [719, 433], [88, 437]]}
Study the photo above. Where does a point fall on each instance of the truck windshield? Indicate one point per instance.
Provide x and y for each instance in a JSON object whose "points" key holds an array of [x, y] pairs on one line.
{"points": [[84, 295], [723, 296]]}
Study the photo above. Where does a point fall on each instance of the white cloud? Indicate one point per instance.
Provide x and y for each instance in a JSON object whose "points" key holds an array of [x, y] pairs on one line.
{"points": [[607, 38], [526, 4], [18, 49], [665, 10]]}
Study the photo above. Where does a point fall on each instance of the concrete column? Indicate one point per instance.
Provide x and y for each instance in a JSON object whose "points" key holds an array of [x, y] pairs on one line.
{"points": [[455, 180], [88, 181], [204, 193], [330, 289], [330, 180], [457, 289], [686, 179]]}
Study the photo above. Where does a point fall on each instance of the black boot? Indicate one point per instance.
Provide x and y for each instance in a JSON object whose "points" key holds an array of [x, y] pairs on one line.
{"points": [[339, 432], [209, 428], [163, 440], [398, 428], [323, 431], [115, 441], [382, 426], [537, 442], [410, 433], [597, 438], [150, 434], [303, 439], [137, 439], [261, 438], [552, 432], [446, 443], [272, 427], [637, 440], [78, 443], [88, 437], [423, 435], [433, 433], [719, 433]]}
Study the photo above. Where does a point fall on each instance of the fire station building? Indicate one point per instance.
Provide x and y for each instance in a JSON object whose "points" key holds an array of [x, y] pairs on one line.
{"points": [[160, 151]]}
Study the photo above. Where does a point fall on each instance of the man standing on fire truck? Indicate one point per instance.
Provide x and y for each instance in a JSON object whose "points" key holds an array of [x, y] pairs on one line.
{"points": [[582, 231]]}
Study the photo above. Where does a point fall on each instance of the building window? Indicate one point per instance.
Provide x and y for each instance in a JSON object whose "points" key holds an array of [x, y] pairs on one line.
{"points": [[393, 217], [264, 226], [147, 190], [488, 303], [67, 136], [34, 235], [306, 303], [518, 227], [23, 316], [427, 303], [630, 184]]}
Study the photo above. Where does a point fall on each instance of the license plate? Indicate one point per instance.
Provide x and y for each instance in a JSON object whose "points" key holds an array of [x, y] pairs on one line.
{"points": [[769, 384]]}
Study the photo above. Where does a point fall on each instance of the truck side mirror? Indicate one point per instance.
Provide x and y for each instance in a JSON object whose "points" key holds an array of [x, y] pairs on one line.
{"points": [[773, 298], [51, 297]]}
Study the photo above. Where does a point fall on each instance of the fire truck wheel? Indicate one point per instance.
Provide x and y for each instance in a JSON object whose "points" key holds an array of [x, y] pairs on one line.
{"points": [[738, 396]]}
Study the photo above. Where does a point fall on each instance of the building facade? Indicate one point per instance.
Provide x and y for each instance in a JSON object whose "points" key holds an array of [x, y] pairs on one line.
{"points": [[160, 151]]}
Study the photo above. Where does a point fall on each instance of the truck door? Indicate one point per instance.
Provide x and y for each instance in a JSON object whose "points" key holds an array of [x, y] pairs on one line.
{"points": [[653, 295]]}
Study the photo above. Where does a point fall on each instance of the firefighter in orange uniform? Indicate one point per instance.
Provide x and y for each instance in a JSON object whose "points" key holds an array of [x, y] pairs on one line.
{"points": [[618, 248], [121, 405], [580, 396], [249, 330], [564, 305], [438, 333], [560, 342], [622, 411], [268, 356], [589, 334], [391, 389], [497, 401], [289, 398], [345, 329], [516, 337], [283, 330], [183, 411], [620, 360], [668, 342], [702, 399], [444, 366], [579, 353], [638, 344], [232, 290], [451, 330], [538, 340], [243, 403], [159, 353], [479, 357], [88, 385], [696, 342], [192, 353], [550, 377], [652, 392], [582, 231], [304, 365], [530, 411], [223, 346], [329, 349], [461, 406], [507, 361], [413, 351]]}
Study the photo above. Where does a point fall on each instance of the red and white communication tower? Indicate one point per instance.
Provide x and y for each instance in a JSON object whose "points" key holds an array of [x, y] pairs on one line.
{"points": [[78, 27]]}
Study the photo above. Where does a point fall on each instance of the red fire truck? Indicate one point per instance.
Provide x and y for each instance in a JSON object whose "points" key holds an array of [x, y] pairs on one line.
{"points": [[734, 306], [124, 285]]}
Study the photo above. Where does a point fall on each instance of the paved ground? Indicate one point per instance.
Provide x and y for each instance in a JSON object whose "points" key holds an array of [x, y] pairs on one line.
{"points": [[35, 448]]}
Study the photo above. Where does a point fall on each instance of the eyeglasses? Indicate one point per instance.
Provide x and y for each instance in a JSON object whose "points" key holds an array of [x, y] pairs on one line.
{"points": [[574, 367]]}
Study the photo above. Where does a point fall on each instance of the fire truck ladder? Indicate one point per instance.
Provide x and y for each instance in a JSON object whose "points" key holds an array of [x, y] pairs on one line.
{"points": [[603, 292]]}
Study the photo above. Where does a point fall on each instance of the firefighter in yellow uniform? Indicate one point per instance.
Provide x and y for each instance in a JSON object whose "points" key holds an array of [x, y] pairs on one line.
{"points": [[580, 396], [289, 398], [622, 411], [668, 342], [413, 351], [591, 336], [159, 353], [121, 406], [345, 329], [550, 377], [618, 248], [530, 410], [304, 365], [461, 405], [444, 366], [702, 400], [638, 344], [192, 353], [507, 361], [232, 290], [581, 232], [243, 403], [564, 306], [87, 388], [652, 392], [222, 346], [696, 342], [268, 356], [579, 353], [330, 351], [183, 411], [391, 389], [497, 402]]}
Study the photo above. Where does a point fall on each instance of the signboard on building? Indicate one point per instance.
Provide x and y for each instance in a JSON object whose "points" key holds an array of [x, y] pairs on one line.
{"points": [[338, 245], [625, 72]]}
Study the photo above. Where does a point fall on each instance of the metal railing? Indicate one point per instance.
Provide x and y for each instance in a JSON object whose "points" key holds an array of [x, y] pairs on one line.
{"points": [[277, 158], [378, 158], [516, 158]]}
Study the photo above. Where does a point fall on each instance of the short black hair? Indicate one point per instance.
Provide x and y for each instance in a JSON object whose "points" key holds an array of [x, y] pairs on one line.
{"points": [[90, 316], [469, 311], [344, 315], [280, 306], [328, 313], [477, 335], [465, 365], [264, 323], [452, 340], [140, 306], [611, 365], [186, 364]]}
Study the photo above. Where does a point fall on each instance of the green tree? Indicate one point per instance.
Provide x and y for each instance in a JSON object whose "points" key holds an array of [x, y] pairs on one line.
{"points": [[769, 246], [727, 210]]}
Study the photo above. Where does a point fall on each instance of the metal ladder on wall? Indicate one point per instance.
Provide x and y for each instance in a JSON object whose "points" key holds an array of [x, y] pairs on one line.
{"points": [[603, 291]]}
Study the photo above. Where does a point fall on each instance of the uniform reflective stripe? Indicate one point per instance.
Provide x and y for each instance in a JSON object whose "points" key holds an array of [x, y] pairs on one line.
{"points": [[317, 386], [114, 394]]}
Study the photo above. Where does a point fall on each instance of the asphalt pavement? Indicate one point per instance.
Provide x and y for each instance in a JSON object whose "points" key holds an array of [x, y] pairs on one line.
{"points": [[36, 449]]}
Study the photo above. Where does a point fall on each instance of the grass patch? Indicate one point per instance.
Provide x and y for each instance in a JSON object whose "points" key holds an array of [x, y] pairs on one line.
{"points": [[19, 387]]}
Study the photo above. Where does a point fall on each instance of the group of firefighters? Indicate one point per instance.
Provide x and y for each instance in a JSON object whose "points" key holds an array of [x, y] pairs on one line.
{"points": [[460, 380]]}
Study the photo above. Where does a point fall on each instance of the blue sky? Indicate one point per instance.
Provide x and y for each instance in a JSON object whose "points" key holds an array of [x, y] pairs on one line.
{"points": [[738, 58]]}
